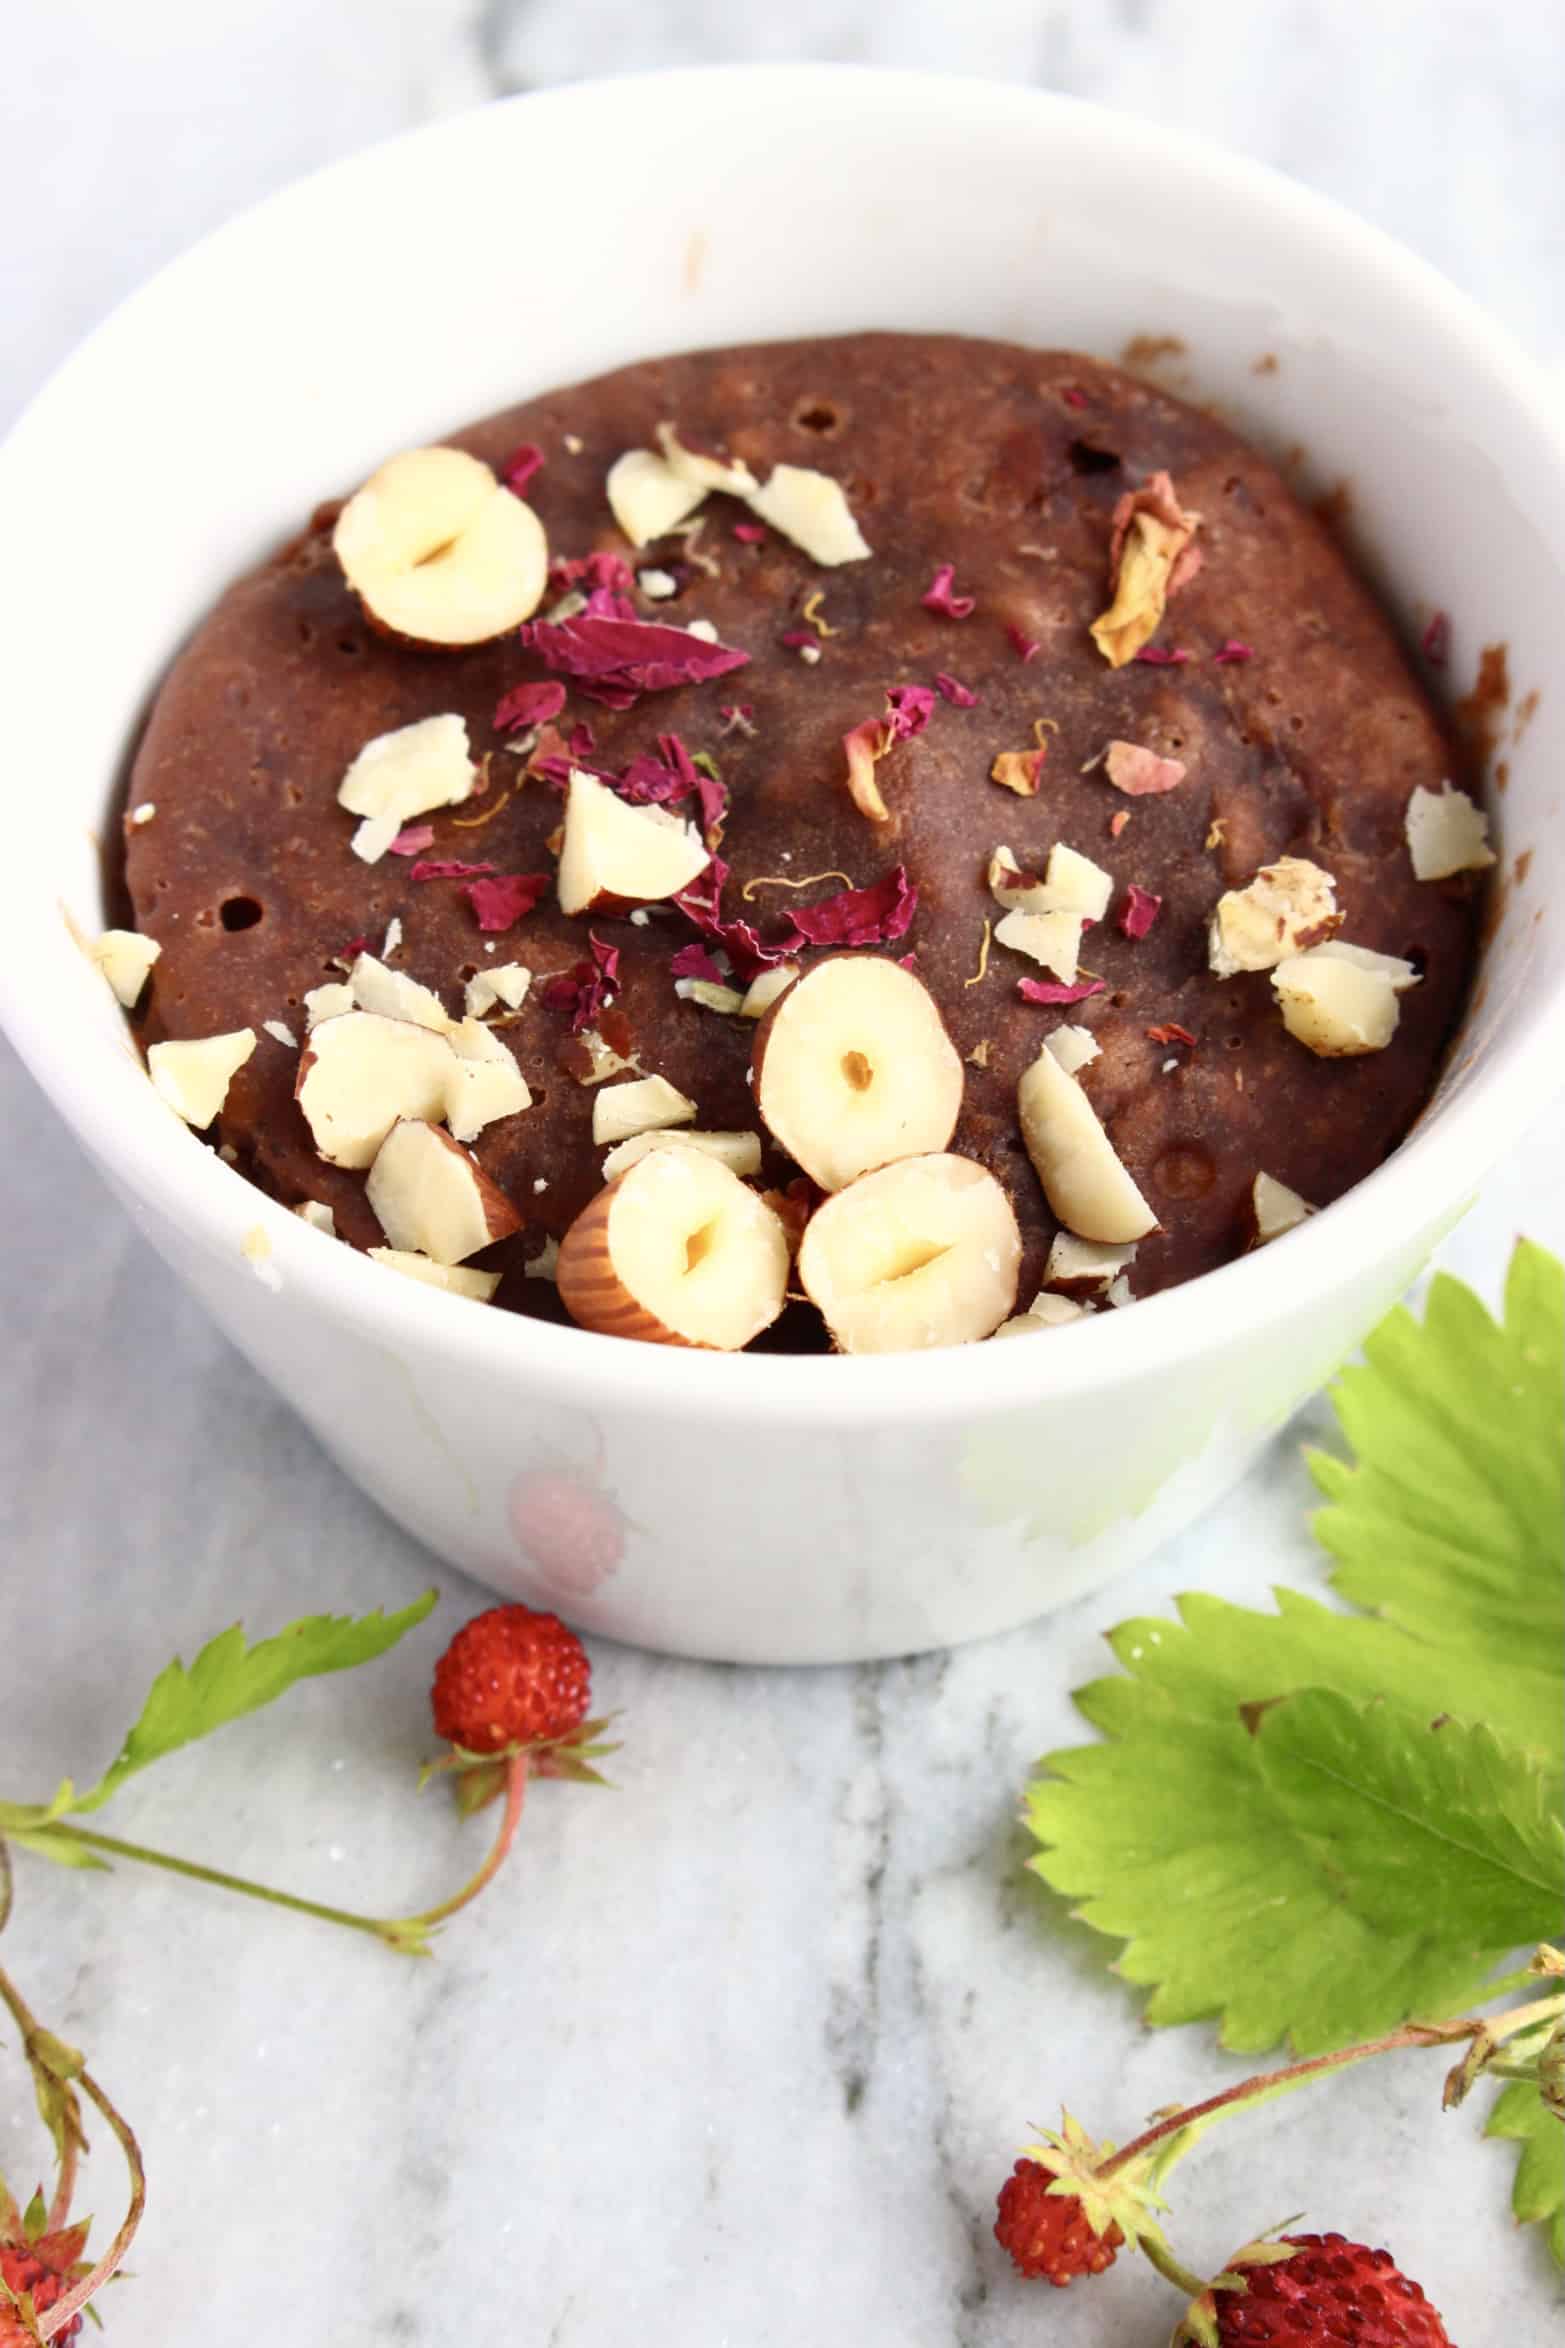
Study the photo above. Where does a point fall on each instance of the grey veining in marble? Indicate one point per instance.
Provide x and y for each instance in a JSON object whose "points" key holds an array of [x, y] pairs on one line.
{"points": [[739, 2052]]}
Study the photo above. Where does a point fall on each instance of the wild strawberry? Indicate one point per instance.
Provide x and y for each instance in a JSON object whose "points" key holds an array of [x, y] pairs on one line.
{"points": [[1328, 2290], [32, 2267], [1048, 2234], [511, 1677]]}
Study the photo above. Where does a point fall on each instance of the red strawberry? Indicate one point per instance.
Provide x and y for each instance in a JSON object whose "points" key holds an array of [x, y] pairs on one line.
{"points": [[511, 1677], [33, 2267], [1331, 2290], [1047, 2234]]}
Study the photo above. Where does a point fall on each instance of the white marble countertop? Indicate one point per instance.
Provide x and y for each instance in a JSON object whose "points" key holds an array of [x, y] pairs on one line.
{"points": [[741, 2051]]}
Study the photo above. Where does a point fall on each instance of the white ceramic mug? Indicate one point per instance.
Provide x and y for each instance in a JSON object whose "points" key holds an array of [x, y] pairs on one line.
{"points": [[769, 1508]]}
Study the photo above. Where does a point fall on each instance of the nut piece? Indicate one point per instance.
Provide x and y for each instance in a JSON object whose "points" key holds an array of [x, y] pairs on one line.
{"points": [[1045, 1312], [645, 1106], [431, 1199], [739, 1152], [1082, 1178], [764, 990], [328, 1002], [194, 1077], [1446, 833], [1075, 1048], [703, 472], [924, 1252], [647, 497], [1288, 906], [125, 957], [1341, 1000], [710, 995], [405, 773], [1054, 939], [1071, 884], [853, 1067], [393, 995], [318, 1215], [616, 855], [507, 983], [360, 1073], [810, 509], [438, 552], [1085, 1263], [676, 1250], [484, 1084], [454, 1278], [1277, 1208]]}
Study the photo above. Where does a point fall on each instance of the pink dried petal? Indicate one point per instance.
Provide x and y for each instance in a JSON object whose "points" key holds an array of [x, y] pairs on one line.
{"points": [[910, 708], [939, 596], [1435, 642], [960, 696], [1024, 646], [1139, 772], [589, 571], [1049, 990], [701, 904], [1171, 1033], [1118, 821], [749, 533], [499, 904], [615, 660], [694, 961], [672, 775], [520, 467], [585, 990], [1232, 649], [797, 636], [1156, 658], [1139, 911], [432, 868], [860, 917], [413, 839], [1072, 397], [907, 961], [737, 716], [528, 705]]}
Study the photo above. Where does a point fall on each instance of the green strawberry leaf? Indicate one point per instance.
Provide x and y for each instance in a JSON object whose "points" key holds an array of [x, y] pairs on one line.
{"points": [[1451, 1523], [1350, 1864], [230, 1678], [1538, 2195]]}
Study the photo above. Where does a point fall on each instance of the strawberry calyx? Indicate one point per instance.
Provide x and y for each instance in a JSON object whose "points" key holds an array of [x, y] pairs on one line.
{"points": [[1125, 2197], [1198, 2326], [480, 1778]]}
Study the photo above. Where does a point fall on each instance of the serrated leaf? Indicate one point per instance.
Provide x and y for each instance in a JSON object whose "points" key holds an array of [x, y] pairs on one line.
{"points": [[1424, 1827], [1243, 1874], [1452, 1523], [230, 1678], [1172, 1839], [1538, 2194]]}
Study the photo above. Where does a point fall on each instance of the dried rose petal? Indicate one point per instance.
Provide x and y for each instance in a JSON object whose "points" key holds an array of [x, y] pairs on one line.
{"points": [[432, 868], [1139, 911], [1232, 649], [1072, 397], [694, 961], [673, 775], [1020, 771], [701, 904], [586, 988], [860, 917], [910, 709], [616, 660], [1049, 990], [749, 533], [412, 840], [795, 637], [737, 716], [1024, 646], [1150, 558], [1171, 1033], [610, 572], [1139, 772], [939, 596], [1435, 642], [960, 696], [528, 705], [499, 904], [1156, 657], [520, 467]]}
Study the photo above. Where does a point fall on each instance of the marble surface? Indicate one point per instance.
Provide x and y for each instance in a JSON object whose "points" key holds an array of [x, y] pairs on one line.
{"points": [[741, 2050]]}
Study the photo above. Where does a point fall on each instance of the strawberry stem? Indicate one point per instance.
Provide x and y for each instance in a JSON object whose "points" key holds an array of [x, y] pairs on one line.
{"points": [[515, 1795], [397, 1932]]}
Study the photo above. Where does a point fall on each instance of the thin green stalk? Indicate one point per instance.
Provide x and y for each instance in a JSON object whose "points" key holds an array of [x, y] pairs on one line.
{"points": [[515, 1795]]}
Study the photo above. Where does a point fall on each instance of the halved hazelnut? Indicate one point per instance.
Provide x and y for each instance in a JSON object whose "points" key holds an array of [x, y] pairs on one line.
{"points": [[455, 1279], [1446, 833], [360, 1073], [646, 1105], [194, 1077], [810, 509], [616, 855], [647, 497], [921, 1253], [1276, 1208], [125, 958], [678, 1251], [1287, 906], [1340, 1001], [739, 1152], [1074, 1159], [439, 552], [405, 773], [431, 1199], [853, 1067]]}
